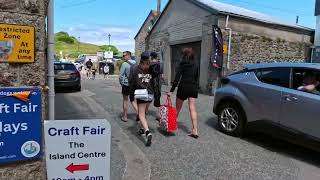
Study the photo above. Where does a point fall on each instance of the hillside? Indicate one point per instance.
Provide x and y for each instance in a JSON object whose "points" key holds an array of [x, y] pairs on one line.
{"points": [[71, 46]]}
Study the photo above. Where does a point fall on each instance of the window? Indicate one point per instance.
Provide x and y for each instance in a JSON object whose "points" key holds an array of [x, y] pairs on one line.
{"points": [[279, 76], [64, 67], [306, 80]]}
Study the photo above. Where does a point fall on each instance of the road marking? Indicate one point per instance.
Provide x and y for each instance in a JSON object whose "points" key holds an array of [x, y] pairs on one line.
{"points": [[137, 164]]}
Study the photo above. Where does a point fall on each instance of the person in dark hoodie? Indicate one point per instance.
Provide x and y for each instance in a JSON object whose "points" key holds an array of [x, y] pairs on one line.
{"points": [[141, 80], [187, 80], [156, 71]]}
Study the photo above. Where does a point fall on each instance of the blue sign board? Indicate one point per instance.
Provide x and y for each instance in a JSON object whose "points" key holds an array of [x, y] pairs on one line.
{"points": [[20, 124]]}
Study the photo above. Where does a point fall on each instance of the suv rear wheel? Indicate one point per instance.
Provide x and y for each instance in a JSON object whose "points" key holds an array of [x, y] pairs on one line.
{"points": [[231, 119]]}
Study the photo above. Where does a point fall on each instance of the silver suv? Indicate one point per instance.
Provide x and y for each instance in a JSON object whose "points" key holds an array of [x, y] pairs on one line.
{"points": [[282, 99]]}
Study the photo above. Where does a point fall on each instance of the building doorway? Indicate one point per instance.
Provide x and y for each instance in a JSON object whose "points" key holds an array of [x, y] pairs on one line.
{"points": [[176, 55]]}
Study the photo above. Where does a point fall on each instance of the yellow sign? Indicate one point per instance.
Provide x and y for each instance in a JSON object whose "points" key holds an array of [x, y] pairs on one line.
{"points": [[225, 49], [16, 44]]}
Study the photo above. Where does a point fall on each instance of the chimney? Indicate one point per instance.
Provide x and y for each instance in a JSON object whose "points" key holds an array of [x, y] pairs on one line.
{"points": [[317, 8], [159, 7], [317, 14]]}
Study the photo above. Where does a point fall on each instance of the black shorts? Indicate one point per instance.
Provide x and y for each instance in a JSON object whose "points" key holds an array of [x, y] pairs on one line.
{"points": [[187, 91], [125, 90], [143, 102]]}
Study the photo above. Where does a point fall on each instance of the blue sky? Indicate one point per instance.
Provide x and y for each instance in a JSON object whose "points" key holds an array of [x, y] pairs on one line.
{"points": [[92, 20]]}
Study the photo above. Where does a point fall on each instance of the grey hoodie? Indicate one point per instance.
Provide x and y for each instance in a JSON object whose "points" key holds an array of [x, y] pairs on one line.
{"points": [[125, 72]]}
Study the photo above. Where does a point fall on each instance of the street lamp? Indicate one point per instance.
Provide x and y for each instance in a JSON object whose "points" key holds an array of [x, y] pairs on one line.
{"points": [[109, 39], [79, 45]]}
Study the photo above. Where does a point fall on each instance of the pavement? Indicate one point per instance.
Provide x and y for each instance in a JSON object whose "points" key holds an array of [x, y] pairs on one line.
{"points": [[214, 156]]}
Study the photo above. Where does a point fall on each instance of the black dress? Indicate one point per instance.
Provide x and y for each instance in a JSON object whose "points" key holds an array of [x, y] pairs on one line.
{"points": [[187, 80]]}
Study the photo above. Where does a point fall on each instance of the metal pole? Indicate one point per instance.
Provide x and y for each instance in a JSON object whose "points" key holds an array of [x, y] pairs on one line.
{"points": [[50, 51], [109, 40], [229, 43], [79, 45]]}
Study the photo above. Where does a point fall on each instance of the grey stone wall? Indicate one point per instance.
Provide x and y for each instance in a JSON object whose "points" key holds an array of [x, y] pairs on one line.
{"points": [[140, 40], [30, 13], [248, 48]]}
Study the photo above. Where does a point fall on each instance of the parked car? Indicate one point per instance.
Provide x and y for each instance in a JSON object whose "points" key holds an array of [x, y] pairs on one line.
{"points": [[272, 98], [79, 66], [67, 76]]}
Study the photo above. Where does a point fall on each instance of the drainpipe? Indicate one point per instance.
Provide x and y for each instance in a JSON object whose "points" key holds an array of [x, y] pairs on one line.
{"points": [[229, 43], [50, 52], [312, 51]]}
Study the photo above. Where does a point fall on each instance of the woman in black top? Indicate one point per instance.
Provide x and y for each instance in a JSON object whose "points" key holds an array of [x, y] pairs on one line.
{"points": [[142, 79], [187, 80]]}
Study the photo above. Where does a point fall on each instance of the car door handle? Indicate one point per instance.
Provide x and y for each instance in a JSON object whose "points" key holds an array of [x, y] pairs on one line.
{"points": [[290, 98]]}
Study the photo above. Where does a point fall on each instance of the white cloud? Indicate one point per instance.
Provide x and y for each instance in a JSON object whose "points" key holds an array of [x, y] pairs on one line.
{"points": [[122, 37]]}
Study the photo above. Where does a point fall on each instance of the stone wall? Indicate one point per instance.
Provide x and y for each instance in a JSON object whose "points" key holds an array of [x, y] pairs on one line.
{"points": [[140, 40], [248, 48], [30, 13]]}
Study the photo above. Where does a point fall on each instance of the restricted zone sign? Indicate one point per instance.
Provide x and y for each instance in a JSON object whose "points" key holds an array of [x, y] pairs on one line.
{"points": [[16, 44], [20, 124], [78, 149]]}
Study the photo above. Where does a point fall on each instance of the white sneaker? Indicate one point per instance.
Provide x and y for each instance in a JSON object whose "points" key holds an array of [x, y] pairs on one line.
{"points": [[149, 138]]}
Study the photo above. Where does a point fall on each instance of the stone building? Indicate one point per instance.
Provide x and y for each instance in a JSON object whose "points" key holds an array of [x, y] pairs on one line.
{"points": [[255, 37], [143, 33], [29, 13]]}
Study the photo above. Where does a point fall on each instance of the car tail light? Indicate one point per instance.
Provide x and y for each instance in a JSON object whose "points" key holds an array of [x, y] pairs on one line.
{"points": [[75, 75], [225, 81]]}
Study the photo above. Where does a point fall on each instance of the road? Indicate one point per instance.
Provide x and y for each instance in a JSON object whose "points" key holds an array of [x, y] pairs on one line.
{"points": [[178, 157]]}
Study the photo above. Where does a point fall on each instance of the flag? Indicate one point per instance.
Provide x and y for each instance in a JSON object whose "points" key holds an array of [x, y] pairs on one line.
{"points": [[217, 48]]}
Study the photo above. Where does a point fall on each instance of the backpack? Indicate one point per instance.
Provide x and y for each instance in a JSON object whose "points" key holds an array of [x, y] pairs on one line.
{"points": [[106, 69]]}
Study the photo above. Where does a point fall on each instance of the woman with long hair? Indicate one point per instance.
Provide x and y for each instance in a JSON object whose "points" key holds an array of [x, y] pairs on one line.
{"points": [[141, 82], [187, 80]]}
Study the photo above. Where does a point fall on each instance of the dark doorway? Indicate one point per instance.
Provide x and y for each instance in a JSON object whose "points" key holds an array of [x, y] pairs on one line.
{"points": [[177, 55]]}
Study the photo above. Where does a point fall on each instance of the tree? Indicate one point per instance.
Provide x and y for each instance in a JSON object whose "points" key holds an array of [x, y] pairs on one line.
{"points": [[64, 37], [112, 48]]}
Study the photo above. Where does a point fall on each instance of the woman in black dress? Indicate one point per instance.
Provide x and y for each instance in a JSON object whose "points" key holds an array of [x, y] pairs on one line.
{"points": [[187, 80]]}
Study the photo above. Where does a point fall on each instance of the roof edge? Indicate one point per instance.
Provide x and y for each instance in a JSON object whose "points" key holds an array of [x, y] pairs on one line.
{"points": [[144, 22]]}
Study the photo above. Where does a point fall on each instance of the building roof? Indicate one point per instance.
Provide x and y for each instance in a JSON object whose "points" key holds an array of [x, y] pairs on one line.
{"points": [[228, 9], [244, 13], [152, 13]]}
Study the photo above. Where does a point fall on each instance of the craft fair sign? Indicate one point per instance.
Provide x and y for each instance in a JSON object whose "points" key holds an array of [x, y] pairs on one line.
{"points": [[16, 44]]}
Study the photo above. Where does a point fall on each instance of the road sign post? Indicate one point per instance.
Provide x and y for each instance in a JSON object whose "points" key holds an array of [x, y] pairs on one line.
{"points": [[78, 149], [20, 124]]}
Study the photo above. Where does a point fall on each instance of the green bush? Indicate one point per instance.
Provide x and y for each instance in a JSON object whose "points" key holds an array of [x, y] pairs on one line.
{"points": [[64, 37], [111, 48], [119, 64]]}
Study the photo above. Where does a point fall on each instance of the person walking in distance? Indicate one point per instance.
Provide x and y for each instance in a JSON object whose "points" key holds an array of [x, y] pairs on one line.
{"points": [[124, 82], [156, 71], [106, 71], [141, 81], [89, 65], [188, 76]]}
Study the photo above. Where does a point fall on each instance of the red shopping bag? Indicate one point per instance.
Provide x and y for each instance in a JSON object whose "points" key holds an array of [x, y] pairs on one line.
{"points": [[168, 116]]}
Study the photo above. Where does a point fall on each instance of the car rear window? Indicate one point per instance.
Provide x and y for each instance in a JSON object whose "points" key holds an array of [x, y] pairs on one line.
{"points": [[64, 67]]}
